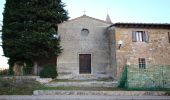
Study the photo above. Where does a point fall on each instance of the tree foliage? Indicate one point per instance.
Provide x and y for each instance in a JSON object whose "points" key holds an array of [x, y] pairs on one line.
{"points": [[49, 71], [29, 27]]}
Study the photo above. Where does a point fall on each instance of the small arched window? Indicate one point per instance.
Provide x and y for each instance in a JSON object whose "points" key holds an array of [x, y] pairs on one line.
{"points": [[84, 32]]}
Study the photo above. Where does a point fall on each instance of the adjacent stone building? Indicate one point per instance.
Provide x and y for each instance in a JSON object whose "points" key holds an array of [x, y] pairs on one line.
{"points": [[93, 48], [140, 45]]}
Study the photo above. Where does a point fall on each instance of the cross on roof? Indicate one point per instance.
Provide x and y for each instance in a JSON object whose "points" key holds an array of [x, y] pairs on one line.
{"points": [[84, 12], [107, 10]]}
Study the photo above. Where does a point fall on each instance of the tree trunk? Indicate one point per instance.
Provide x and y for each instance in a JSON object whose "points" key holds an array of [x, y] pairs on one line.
{"points": [[18, 68], [35, 68]]}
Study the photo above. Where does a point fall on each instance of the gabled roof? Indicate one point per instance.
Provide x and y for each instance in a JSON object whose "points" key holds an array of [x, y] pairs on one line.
{"points": [[85, 16], [143, 25]]}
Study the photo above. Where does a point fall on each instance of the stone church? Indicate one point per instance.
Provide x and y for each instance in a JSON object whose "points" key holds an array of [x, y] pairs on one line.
{"points": [[94, 48], [86, 52]]}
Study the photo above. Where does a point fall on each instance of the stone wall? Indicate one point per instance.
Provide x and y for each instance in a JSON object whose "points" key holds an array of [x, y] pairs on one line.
{"points": [[112, 48], [155, 52], [74, 43]]}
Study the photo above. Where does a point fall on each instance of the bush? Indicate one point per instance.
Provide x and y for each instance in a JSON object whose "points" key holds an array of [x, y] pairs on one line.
{"points": [[48, 71], [28, 70], [4, 72], [123, 79]]}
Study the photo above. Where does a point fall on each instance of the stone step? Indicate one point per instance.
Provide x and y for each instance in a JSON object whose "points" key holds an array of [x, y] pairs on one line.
{"points": [[108, 93], [83, 84]]}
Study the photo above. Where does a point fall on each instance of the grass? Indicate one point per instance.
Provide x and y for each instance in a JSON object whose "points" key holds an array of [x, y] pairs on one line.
{"points": [[16, 91], [167, 93], [148, 89], [81, 88], [26, 87], [66, 80], [18, 87]]}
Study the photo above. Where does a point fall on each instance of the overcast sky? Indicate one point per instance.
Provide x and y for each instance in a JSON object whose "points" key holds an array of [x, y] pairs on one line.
{"points": [[140, 11]]}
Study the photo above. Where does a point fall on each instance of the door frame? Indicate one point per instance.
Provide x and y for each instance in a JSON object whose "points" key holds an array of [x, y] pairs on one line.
{"points": [[79, 64]]}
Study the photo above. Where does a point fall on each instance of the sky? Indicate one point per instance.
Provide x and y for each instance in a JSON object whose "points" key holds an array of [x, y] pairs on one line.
{"points": [[137, 11], [3, 60]]}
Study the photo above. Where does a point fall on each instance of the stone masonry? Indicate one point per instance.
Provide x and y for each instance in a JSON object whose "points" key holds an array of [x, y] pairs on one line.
{"points": [[156, 51], [74, 43], [108, 58]]}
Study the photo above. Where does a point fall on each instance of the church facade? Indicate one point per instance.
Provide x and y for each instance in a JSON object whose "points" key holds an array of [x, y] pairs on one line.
{"points": [[94, 48], [86, 52]]}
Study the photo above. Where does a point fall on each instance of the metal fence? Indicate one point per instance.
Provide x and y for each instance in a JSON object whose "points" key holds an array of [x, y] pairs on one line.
{"points": [[152, 77]]}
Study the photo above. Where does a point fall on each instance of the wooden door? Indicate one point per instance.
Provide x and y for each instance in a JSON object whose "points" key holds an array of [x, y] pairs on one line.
{"points": [[84, 63]]}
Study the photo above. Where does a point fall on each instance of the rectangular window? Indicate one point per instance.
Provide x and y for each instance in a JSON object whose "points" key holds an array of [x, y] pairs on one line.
{"points": [[140, 36], [142, 64], [169, 36]]}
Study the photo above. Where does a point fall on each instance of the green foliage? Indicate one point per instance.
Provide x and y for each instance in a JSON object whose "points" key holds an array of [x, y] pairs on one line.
{"points": [[4, 72], [29, 27], [11, 72], [48, 71], [147, 89], [28, 69], [82, 88], [168, 93], [13, 86], [5, 82], [123, 79]]}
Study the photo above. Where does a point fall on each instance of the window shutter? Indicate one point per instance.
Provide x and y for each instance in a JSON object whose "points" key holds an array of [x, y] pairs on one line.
{"points": [[146, 37], [143, 36], [133, 36]]}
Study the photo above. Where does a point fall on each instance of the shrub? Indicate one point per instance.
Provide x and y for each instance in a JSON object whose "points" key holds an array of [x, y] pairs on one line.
{"points": [[4, 72], [123, 79], [48, 71], [28, 70]]}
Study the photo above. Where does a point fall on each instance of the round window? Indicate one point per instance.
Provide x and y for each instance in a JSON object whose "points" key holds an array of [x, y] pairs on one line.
{"points": [[84, 32]]}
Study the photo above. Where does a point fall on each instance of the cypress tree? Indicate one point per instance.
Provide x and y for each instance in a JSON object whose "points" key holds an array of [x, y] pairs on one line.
{"points": [[30, 28]]}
